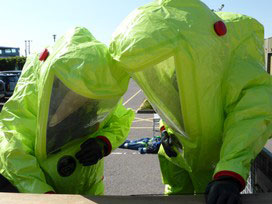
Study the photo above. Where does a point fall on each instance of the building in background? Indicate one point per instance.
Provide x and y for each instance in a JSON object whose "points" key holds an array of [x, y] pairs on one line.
{"points": [[268, 54], [9, 52]]}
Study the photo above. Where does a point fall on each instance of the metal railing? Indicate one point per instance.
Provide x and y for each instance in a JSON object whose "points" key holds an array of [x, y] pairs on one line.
{"points": [[261, 172]]}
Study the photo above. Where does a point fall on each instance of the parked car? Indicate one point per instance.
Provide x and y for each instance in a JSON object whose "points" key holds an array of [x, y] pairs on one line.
{"points": [[17, 72], [2, 90], [10, 80]]}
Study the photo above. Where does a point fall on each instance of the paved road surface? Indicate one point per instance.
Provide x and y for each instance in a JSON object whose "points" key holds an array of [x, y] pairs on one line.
{"points": [[126, 171]]}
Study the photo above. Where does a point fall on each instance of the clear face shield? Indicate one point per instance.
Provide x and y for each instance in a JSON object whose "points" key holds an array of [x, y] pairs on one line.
{"points": [[72, 116], [159, 84]]}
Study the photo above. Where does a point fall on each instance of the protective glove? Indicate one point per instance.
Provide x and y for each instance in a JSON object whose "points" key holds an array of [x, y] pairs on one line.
{"points": [[167, 143], [225, 190], [91, 151]]}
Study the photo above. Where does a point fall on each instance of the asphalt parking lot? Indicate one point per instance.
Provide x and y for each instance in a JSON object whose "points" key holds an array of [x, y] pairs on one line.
{"points": [[126, 171]]}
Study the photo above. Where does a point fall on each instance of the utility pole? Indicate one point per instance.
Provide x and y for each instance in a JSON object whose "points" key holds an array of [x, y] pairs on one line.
{"points": [[29, 46], [25, 48], [54, 37]]}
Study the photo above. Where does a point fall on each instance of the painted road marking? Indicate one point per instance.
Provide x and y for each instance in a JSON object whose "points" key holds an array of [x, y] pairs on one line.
{"points": [[141, 127], [132, 97], [143, 119], [123, 153]]}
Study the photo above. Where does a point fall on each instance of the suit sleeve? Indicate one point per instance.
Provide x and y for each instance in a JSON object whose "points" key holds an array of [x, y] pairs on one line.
{"points": [[116, 130], [248, 112]]}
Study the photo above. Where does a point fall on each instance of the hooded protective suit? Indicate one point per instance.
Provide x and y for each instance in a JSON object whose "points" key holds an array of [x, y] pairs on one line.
{"points": [[59, 103], [206, 80]]}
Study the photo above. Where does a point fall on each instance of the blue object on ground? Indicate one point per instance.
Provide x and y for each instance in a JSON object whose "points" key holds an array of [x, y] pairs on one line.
{"points": [[143, 145]]}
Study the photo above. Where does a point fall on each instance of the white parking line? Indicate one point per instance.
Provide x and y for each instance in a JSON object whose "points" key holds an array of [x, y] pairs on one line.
{"points": [[143, 120], [132, 97], [123, 153], [141, 127]]}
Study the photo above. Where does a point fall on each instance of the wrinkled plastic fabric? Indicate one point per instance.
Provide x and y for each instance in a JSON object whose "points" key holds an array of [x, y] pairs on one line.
{"points": [[85, 67], [221, 108]]}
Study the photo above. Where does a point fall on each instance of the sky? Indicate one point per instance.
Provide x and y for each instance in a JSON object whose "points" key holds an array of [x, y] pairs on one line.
{"points": [[38, 20]]}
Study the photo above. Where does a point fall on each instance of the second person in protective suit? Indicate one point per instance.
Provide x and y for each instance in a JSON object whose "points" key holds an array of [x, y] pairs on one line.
{"points": [[203, 74], [65, 115]]}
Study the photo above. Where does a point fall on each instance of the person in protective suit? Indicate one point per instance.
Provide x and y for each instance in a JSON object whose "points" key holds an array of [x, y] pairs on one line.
{"points": [[65, 115], [203, 73]]}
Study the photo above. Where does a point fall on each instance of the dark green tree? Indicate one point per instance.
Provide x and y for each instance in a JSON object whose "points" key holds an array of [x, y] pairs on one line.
{"points": [[12, 63]]}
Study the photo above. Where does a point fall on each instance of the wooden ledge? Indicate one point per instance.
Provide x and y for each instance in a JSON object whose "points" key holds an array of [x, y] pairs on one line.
{"points": [[21, 198]]}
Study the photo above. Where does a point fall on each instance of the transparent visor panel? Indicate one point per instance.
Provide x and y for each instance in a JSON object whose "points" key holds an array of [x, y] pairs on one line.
{"points": [[160, 86], [73, 116]]}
